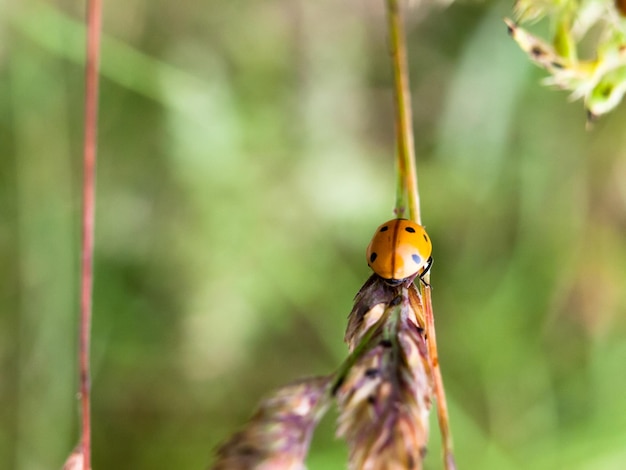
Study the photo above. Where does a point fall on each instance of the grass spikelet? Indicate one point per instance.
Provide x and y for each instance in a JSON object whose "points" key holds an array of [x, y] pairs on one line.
{"points": [[385, 396], [600, 79], [277, 437], [369, 305], [383, 391]]}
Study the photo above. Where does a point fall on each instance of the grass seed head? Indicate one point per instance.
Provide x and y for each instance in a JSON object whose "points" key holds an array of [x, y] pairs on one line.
{"points": [[600, 79], [385, 397], [277, 437]]}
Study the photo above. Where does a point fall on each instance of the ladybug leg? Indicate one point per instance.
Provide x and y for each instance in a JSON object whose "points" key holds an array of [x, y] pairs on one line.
{"points": [[429, 263]]}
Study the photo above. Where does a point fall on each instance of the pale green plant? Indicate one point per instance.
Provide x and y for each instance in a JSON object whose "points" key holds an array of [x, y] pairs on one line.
{"points": [[600, 79]]}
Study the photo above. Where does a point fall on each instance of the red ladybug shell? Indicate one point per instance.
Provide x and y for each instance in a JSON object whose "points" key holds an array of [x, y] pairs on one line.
{"points": [[399, 249]]}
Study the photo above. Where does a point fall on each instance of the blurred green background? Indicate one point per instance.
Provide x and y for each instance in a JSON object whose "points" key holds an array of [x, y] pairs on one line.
{"points": [[245, 158]]}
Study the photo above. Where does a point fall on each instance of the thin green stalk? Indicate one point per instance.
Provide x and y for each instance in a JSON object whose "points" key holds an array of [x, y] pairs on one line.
{"points": [[408, 197]]}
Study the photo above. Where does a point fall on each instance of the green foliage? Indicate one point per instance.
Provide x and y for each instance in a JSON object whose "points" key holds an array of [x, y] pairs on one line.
{"points": [[246, 155]]}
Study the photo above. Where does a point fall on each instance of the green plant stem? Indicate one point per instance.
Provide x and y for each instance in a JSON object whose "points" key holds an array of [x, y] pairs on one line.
{"points": [[407, 196]]}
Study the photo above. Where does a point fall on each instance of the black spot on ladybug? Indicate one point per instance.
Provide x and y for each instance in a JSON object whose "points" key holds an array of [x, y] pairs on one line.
{"points": [[373, 257], [385, 228], [425, 237], [409, 229], [417, 259]]}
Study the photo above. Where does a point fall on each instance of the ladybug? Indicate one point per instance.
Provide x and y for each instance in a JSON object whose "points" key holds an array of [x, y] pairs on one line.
{"points": [[400, 250]]}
